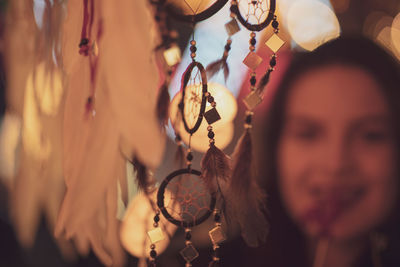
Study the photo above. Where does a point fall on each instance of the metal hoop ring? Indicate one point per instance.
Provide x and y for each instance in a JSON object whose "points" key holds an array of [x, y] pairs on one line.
{"points": [[163, 209]]}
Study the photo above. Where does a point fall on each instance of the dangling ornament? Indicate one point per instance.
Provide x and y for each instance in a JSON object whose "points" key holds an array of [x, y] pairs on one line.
{"points": [[248, 209], [194, 191], [217, 236], [232, 27], [195, 204], [169, 54]]}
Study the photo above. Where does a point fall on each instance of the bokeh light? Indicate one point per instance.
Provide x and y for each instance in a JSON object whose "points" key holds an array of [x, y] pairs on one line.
{"points": [[138, 220], [395, 35], [311, 23]]}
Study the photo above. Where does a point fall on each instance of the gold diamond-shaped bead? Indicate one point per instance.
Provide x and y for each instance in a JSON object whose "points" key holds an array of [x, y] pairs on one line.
{"points": [[232, 27], [172, 55], [274, 43], [252, 100], [217, 235], [156, 235], [189, 253], [252, 60]]}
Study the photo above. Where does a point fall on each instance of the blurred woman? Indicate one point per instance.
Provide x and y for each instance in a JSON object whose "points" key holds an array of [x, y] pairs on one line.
{"points": [[331, 157]]}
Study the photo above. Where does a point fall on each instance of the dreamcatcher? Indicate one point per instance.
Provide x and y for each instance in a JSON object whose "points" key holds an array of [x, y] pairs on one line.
{"points": [[187, 13], [247, 209], [195, 192]]}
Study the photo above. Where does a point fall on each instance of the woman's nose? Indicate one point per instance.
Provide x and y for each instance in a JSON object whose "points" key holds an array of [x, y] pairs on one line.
{"points": [[335, 156]]}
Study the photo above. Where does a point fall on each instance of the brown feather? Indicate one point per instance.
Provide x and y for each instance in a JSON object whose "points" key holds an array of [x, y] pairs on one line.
{"points": [[246, 198], [215, 165], [180, 156], [214, 67], [163, 105], [264, 81], [142, 178]]}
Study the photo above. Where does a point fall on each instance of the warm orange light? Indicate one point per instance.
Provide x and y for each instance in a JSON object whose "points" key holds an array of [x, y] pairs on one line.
{"points": [[10, 137], [43, 95], [48, 88]]}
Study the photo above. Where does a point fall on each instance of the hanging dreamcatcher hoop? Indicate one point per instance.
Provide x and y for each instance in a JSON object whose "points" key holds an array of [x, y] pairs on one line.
{"points": [[193, 98], [185, 199], [197, 16], [256, 7]]}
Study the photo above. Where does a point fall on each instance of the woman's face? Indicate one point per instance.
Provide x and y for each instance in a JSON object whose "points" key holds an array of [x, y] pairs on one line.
{"points": [[336, 154]]}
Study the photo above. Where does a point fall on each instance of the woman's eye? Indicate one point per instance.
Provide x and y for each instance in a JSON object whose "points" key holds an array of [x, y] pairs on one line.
{"points": [[306, 134], [374, 136]]}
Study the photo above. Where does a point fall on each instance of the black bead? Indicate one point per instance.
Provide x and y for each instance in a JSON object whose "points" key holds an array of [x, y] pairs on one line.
{"points": [[275, 24], [178, 138], [188, 236], [157, 17], [211, 134], [153, 253], [83, 42], [180, 105], [253, 80], [189, 156], [193, 49], [248, 119], [217, 217], [253, 41], [227, 47], [272, 62], [231, 8], [210, 99], [156, 218]]}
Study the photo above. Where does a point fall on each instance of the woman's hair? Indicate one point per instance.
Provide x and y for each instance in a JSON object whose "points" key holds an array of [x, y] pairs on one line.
{"points": [[286, 245]]}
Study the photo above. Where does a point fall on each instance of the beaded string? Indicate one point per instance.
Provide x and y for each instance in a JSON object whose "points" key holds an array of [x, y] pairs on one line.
{"points": [[188, 243], [217, 238], [272, 61], [153, 252]]}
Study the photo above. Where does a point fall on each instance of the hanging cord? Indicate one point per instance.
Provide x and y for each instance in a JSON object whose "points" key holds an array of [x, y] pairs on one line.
{"points": [[88, 48]]}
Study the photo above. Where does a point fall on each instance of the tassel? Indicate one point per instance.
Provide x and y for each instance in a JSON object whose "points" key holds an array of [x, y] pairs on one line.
{"points": [[141, 175], [215, 165], [246, 198], [214, 67], [163, 105], [180, 153], [264, 81]]}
